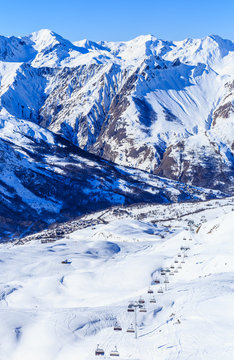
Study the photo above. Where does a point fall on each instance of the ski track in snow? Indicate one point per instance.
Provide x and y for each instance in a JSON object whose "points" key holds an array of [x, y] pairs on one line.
{"points": [[50, 310]]}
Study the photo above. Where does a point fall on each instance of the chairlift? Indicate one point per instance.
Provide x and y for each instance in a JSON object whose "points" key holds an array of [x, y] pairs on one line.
{"points": [[131, 308], [179, 266], [141, 301], [190, 239], [167, 270], [150, 291], [99, 351], [185, 255], [171, 273], [153, 300], [179, 255], [166, 281], [157, 281], [131, 329], [182, 261], [114, 352], [184, 238], [160, 291], [176, 261], [143, 309], [163, 273], [117, 327], [172, 266], [176, 270]]}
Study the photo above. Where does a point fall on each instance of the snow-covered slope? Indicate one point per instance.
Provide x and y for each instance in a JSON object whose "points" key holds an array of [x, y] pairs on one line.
{"points": [[54, 310], [162, 106]]}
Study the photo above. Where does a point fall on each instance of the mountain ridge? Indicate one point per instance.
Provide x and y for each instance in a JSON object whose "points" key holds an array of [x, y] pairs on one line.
{"points": [[160, 107], [45, 179]]}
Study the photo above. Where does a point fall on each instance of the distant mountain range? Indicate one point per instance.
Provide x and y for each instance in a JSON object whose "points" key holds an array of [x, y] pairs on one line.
{"points": [[69, 111]]}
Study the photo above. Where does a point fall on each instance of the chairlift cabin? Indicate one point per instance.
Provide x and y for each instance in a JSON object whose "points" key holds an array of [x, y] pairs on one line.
{"points": [[172, 266], [157, 281], [150, 291], [179, 266], [167, 270], [153, 300], [184, 238], [176, 261], [163, 273], [99, 351], [166, 281], [190, 239], [117, 327], [114, 352], [141, 301], [131, 308], [130, 329], [179, 255], [171, 273], [182, 261], [185, 255], [160, 291], [143, 309], [176, 271]]}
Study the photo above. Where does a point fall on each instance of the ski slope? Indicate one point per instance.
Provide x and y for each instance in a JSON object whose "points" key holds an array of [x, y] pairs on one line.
{"points": [[53, 311]]}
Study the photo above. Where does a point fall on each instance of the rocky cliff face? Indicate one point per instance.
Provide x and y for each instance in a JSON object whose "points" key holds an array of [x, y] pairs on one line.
{"points": [[163, 107]]}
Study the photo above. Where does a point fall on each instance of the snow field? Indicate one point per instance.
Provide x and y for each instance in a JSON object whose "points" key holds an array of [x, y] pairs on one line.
{"points": [[50, 310]]}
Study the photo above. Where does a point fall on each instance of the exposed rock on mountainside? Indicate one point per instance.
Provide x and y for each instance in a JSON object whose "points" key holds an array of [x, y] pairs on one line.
{"points": [[164, 107], [46, 179]]}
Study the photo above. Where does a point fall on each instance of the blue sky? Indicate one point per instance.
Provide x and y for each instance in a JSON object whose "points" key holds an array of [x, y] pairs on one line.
{"points": [[119, 20]]}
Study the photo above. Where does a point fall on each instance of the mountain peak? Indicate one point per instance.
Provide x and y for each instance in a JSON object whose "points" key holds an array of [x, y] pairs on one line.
{"points": [[45, 39], [44, 32], [90, 45], [223, 43], [144, 38], [138, 103]]}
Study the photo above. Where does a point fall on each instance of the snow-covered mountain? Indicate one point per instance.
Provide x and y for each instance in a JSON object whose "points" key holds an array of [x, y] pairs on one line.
{"points": [[116, 166], [51, 308], [162, 106], [46, 179]]}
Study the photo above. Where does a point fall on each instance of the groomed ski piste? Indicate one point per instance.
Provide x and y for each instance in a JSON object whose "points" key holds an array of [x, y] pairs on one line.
{"points": [[60, 299]]}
